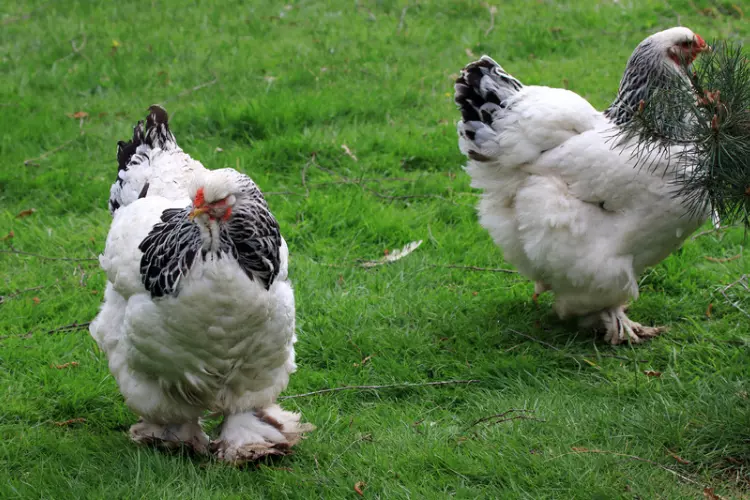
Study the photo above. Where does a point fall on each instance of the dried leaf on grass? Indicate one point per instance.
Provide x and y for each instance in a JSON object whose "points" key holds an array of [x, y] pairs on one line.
{"points": [[8, 236], [348, 152], [359, 487], [25, 213], [394, 255], [72, 364], [679, 458], [710, 494], [72, 421], [652, 373], [78, 115]]}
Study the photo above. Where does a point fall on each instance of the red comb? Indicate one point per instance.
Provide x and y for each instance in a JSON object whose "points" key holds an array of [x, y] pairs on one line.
{"points": [[701, 41], [199, 199]]}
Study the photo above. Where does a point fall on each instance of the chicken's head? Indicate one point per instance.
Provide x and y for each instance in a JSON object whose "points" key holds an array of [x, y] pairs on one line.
{"points": [[680, 44], [217, 194]]}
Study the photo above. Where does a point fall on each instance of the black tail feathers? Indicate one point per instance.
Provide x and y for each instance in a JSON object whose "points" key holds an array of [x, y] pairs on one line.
{"points": [[482, 90], [158, 134]]}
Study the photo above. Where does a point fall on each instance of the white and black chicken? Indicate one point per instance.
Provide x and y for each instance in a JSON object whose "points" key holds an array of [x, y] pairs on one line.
{"points": [[198, 312], [569, 206]]}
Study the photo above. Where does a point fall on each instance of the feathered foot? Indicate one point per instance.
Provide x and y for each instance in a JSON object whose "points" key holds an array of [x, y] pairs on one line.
{"points": [[171, 436], [250, 436], [619, 328]]}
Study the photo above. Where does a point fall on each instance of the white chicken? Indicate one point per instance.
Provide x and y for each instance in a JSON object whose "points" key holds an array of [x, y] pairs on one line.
{"points": [[198, 312], [566, 203]]}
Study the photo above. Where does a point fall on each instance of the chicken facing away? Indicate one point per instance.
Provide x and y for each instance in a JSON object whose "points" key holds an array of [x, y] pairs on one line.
{"points": [[566, 203], [198, 312]]}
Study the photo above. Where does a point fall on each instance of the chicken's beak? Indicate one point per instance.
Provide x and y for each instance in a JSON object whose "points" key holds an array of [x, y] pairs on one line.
{"points": [[701, 45], [197, 211]]}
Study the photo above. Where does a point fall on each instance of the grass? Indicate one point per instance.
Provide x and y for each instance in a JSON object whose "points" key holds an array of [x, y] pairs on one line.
{"points": [[270, 85]]}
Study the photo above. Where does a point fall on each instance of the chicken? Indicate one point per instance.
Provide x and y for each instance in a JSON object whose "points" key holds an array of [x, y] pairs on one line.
{"points": [[198, 312], [566, 202]]}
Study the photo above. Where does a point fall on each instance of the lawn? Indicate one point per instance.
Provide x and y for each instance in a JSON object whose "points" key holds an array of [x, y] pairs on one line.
{"points": [[277, 90]]}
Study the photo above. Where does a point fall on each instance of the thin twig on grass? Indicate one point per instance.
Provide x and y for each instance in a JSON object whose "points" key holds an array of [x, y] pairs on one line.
{"points": [[475, 268], [493, 11], [76, 50], [45, 257], [282, 193], [402, 19], [378, 387], [412, 196], [579, 451], [503, 417], [712, 230], [32, 161], [4, 298], [198, 87], [723, 260], [538, 341], [71, 327], [615, 356]]}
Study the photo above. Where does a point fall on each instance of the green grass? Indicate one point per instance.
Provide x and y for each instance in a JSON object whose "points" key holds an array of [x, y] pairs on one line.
{"points": [[307, 78]]}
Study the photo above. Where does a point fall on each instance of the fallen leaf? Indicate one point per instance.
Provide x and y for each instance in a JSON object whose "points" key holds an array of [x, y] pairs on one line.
{"points": [[652, 373], [8, 236], [94, 292], [219, 150], [115, 44], [36, 300], [469, 53], [393, 255], [364, 361], [679, 458], [71, 364], [79, 115], [359, 486], [580, 450], [710, 495], [25, 213], [348, 152], [64, 423], [709, 310]]}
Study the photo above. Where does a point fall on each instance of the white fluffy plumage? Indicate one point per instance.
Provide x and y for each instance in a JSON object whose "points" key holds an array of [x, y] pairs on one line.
{"points": [[198, 312], [566, 203]]}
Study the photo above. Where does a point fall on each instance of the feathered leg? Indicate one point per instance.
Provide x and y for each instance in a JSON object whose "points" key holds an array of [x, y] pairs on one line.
{"points": [[171, 436], [255, 434], [619, 328]]}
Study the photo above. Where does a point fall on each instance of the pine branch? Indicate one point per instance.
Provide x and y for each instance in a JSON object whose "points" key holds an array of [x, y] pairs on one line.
{"points": [[701, 125]]}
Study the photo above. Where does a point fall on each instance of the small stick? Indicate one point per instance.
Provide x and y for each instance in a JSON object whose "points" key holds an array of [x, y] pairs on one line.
{"points": [[501, 415], [73, 326], [536, 340], [198, 87], [4, 298], [492, 10], [726, 259], [474, 268], [401, 20], [31, 161], [376, 387], [19, 252], [712, 230], [632, 457]]}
